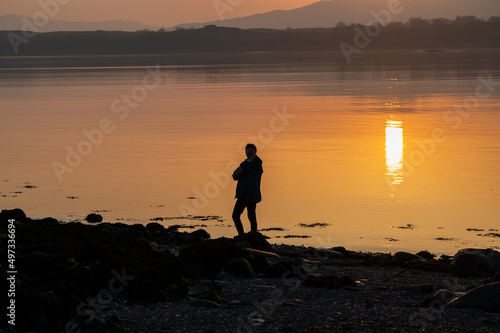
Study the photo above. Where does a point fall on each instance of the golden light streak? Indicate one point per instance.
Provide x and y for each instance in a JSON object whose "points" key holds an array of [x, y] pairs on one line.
{"points": [[394, 146]]}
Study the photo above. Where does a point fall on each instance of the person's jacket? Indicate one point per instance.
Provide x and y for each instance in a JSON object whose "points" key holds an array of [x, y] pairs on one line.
{"points": [[249, 176]]}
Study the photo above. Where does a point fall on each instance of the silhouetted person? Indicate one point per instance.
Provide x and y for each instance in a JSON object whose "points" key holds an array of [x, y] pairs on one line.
{"points": [[248, 175]]}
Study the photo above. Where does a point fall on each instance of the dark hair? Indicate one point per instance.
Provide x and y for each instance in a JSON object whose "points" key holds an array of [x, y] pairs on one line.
{"points": [[251, 145]]}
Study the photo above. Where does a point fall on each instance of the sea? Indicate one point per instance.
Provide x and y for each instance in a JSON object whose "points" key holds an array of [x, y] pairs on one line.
{"points": [[390, 151]]}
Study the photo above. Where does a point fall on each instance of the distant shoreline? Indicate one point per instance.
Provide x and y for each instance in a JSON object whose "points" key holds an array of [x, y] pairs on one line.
{"points": [[334, 57]]}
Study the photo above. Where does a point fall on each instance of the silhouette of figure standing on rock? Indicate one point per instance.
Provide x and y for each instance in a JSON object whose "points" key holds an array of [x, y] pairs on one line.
{"points": [[248, 175]]}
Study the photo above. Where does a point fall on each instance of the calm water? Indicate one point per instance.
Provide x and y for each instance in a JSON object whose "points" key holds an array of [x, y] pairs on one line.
{"points": [[382, 152]]}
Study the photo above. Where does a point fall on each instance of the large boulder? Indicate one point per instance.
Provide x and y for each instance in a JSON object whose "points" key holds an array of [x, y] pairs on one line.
{"points": [[94, 218], [331, 254], [239, 267], [485, 297], [484, 260], [439, 298], [406, 257], [264, 254], [154, 227], [256, 240], [209, 257]]}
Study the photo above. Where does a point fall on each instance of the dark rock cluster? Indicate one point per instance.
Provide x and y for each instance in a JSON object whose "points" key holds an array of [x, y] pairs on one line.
{"points": [[66, 271]]}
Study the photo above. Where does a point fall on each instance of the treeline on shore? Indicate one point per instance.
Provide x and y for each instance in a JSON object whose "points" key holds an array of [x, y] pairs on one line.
{"points": [[461, 33]]}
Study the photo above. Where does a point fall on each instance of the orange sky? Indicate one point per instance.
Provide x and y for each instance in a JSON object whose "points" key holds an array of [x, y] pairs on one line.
{"points": [[152, 12], [167, 13]]}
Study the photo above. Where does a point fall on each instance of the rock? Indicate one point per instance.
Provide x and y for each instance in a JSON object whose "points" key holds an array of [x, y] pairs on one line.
{"points": [[439, 298], [173, 249], [178, 291], [418, 289], [340, 249], [243, 245], [208, 290], [209, 256], [496, 277], [239, 267], [271, 262], [204, 304], [154, 246], [49, 220], [347, 281], [180, 237], [263, 287], [16, 214], [173, 236], [264, 254], [138, 227], [173, 228], [426, 255], [94, 218], [256, 240], [404, 257], [295, 302], [145, 289], [111, 324], [302, 261], [380, 256], [486, 260], [235, 303], [330, 282], [485, 297], [154, 227], [331, 254], [200, 234]]}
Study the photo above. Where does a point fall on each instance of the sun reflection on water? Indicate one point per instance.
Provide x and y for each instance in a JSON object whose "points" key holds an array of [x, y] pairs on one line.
{"points": [[394, 146]]}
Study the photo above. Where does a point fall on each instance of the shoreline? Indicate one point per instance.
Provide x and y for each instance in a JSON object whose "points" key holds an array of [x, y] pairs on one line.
{"points": [[121, 278], [240, 58], [300, 240], [305, 239], [286, 237]]}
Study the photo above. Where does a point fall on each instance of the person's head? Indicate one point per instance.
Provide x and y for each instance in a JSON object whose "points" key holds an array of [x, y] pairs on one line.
{"points": [[250, 150]]}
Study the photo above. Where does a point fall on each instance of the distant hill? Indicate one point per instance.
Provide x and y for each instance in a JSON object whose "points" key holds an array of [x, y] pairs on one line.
{"points": [[17, 22], [327, 13]]}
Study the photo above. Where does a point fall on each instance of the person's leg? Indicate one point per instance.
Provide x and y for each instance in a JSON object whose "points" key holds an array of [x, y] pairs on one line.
{"points": [[252, 216], [239, 207]]}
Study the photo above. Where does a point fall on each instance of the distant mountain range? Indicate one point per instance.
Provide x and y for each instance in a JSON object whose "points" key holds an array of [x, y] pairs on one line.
{"points": [[327, 13], [17, 22]]}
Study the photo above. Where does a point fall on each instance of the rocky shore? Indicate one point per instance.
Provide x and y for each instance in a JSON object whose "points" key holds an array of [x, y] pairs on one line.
{"points": [[102, 277]]}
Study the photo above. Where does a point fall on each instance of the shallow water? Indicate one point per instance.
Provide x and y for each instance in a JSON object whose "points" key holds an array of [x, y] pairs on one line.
{"points": [[381, 151]]}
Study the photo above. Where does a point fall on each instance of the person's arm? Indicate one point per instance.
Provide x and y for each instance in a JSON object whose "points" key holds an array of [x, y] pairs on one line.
{"points": [[240, 171]]}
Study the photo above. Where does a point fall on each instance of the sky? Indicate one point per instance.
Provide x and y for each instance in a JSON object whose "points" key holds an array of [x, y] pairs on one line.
{"points": [[167, 13], [152, 12]]}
